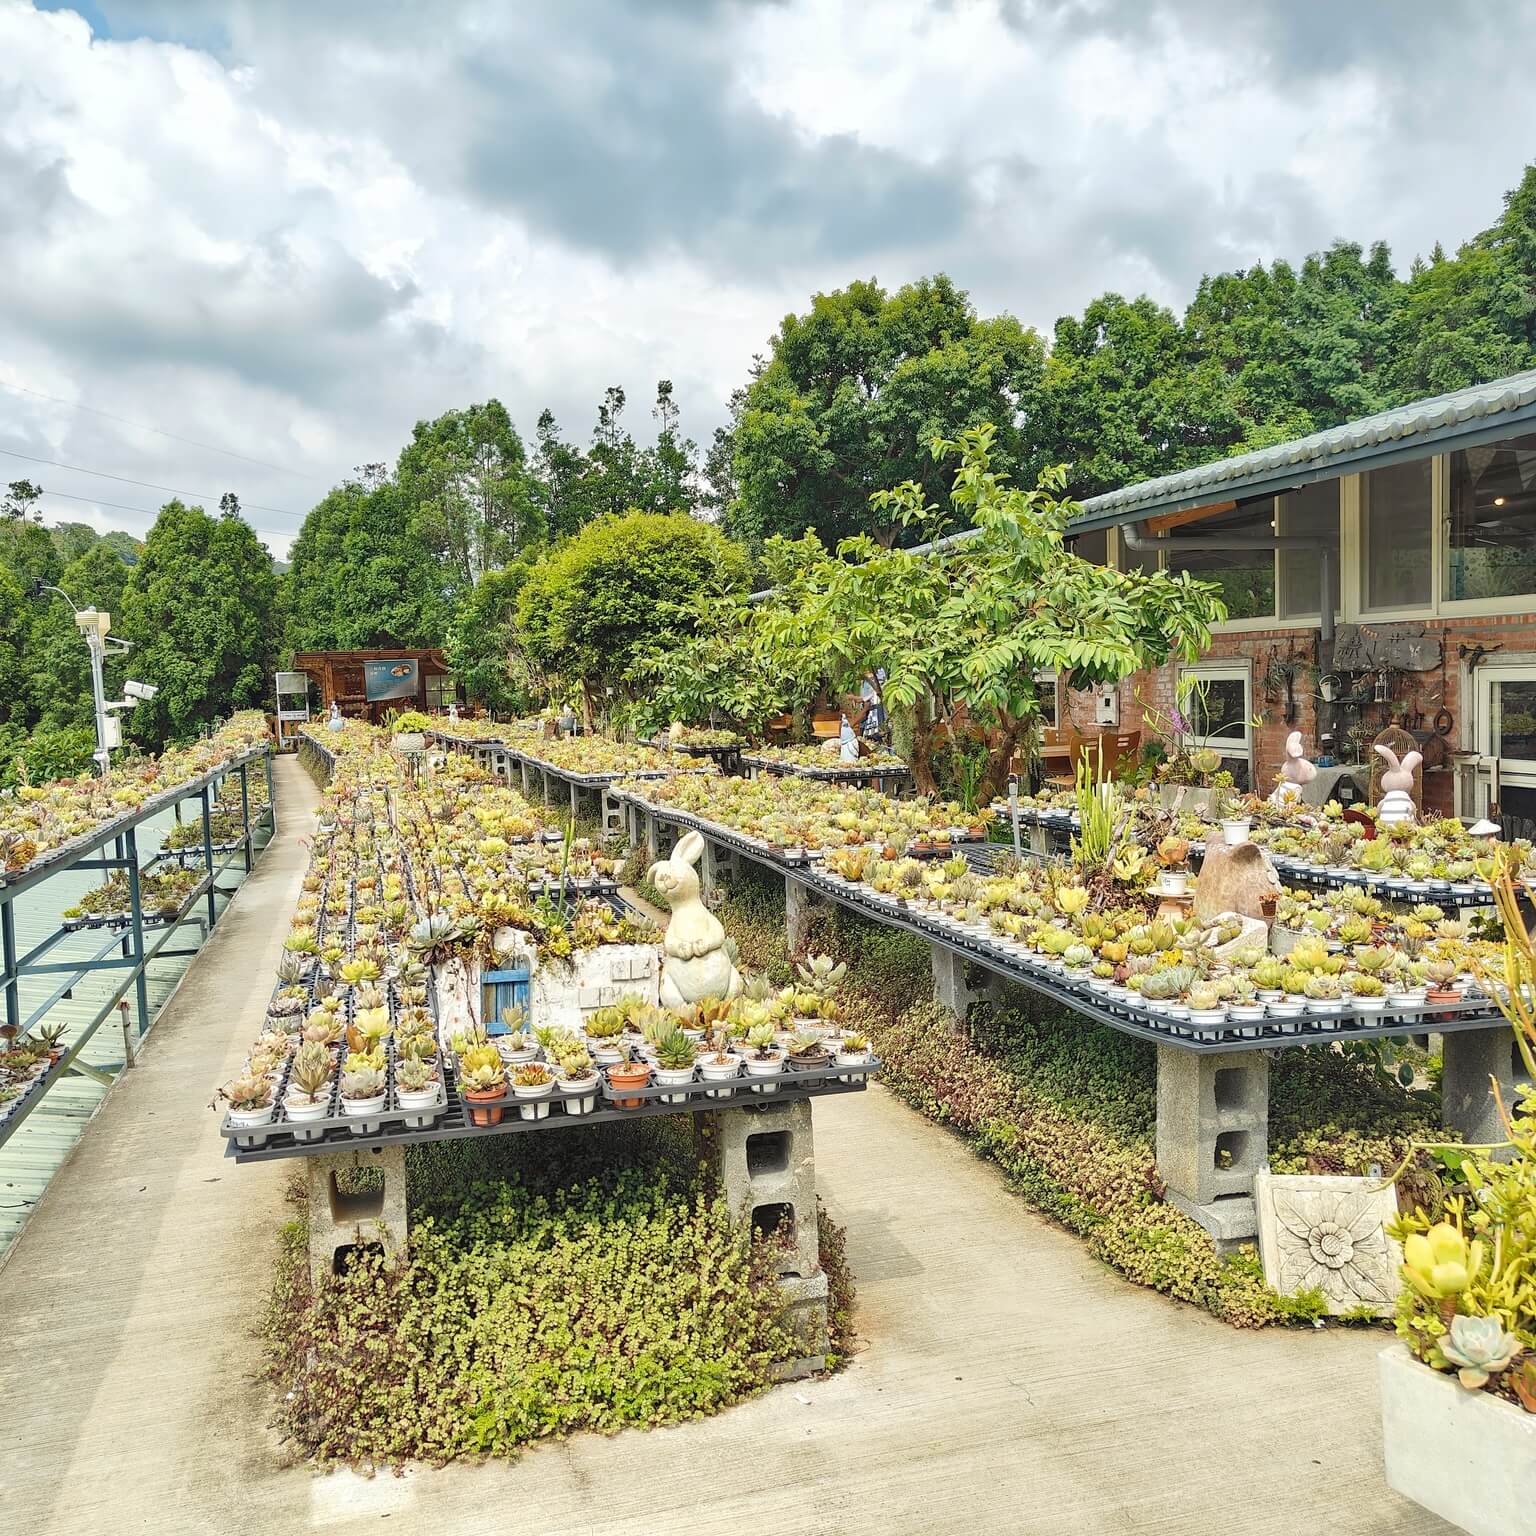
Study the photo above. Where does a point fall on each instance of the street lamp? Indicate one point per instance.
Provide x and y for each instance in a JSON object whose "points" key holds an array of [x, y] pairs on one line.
{"points": [[94, 625]]}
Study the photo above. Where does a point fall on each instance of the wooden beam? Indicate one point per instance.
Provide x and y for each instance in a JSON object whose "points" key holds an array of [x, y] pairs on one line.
{"points": [[1190, 515]]}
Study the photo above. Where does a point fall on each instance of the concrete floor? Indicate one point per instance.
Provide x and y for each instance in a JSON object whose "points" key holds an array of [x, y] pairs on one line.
{"points": [[1008, 1382]]}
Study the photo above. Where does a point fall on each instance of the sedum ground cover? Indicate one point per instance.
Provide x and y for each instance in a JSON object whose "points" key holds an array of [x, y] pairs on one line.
{"points": [[580, 1280]]}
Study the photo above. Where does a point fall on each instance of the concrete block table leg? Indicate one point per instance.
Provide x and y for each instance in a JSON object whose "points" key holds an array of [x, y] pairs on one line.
{"points": [[575, 803], [954, 986], [1472, 1057], [766, 1159], [716, 869], [799, 904], [1213, 1135], [527, 788], [340, 1220], [653, 835]]}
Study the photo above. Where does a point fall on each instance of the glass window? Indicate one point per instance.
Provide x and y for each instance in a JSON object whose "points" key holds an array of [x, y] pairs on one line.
{"points": [[1492, 545], [1217, 708], [1397, 523], [1514, 720], [439, 690], [1309, 513], [1049, 695], [1244, 577]]}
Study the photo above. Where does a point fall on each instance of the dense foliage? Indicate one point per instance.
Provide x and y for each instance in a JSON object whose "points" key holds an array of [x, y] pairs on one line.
{"points": [[589, 1279]]}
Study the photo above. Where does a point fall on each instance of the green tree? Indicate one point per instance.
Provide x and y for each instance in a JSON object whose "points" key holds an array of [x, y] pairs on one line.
{"points": [[465, 481], [591, 608], [559, 470], [674, 460], [856, 389], [953, 639], [20, 502], [616, 476], [61, 679], [73, 539], [482, 642], [360, 573], [201, 611]]}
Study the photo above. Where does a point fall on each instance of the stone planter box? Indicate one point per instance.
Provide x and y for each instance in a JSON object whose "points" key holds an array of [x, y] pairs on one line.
{"points": [[1467, 1456], [1186, 797]]}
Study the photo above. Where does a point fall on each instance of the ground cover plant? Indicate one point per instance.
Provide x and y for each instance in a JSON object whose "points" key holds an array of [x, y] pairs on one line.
{"points": [[1066, 1108], [570, 1281]]}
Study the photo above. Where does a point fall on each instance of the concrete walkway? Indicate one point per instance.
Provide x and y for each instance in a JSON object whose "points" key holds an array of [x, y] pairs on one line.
{"points": [[1008, 1383]]}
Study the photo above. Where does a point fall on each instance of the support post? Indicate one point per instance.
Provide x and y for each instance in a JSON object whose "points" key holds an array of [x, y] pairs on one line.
{"points": [[266, 764], [716, 868], [12, 981], [1472, 1057], [208, 852], [522, 763], [136, 914], [954, 987], [766, 1159], [575, 804], [798, 907], [652, 835], [340, 1220], [1213, 1136], [245, 815]]}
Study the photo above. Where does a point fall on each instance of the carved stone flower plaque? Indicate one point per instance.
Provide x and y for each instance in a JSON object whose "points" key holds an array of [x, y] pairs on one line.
{"points": [[1325, 1233]]}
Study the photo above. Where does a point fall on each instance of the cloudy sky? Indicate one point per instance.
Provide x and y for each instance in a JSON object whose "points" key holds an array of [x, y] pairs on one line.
{"points": [[278, 232]]}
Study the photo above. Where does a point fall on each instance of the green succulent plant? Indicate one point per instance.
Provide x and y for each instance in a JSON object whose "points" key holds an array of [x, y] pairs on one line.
{"points": [[1479, 1348]]}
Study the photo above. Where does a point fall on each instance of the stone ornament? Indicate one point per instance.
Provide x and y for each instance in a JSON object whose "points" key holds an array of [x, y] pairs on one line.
{"points": [[695, 963], [1327, 1233], [1295, 773], [1397, 785], [1241, 880]]}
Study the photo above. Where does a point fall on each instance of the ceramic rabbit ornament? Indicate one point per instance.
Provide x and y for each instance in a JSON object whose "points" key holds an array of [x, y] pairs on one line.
{"points": [[1295, 772], [1397, 785], [695, 963]]}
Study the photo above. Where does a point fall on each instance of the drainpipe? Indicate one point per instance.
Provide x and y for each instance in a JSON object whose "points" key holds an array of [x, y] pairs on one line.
{"points": [[1134, 539]]}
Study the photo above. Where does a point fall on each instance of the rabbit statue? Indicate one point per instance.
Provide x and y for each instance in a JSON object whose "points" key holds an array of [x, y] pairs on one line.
{"points": [[695, 963], [1295, 772], [1397, 786]]}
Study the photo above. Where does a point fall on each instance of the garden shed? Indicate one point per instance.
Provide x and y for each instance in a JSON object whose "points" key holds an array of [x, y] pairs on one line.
{"points": [[367, 684]]}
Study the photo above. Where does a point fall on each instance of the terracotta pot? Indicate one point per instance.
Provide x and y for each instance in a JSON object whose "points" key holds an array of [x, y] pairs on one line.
{"points": [[634, 1074], [486, 1116]]}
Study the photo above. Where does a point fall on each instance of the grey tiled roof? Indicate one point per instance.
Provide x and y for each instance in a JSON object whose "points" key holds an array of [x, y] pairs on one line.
{"points": [[1480, 410]]}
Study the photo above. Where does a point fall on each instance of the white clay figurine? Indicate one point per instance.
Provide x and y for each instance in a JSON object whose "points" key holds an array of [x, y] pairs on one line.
{"points": [[1397, 785], [1296, 772], [695, 964]]}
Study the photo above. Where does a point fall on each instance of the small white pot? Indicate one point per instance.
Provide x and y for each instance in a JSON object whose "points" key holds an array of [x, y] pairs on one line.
{"points": [[363, 1107], [587, 1091], [1234, 831], [603, 1053], [513, 1055], [1245, 1013], [533, 1101], [759, 1068], [247, 1119], [1173, 882], [419, 1098], [673, 1077], [1207, 1015], [712, 1071], [409, 741], [300, 1111]]}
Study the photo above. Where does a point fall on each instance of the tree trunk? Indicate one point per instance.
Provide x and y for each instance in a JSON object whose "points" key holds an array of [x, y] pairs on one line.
{"points": [[920, 760], [1002, 743]]}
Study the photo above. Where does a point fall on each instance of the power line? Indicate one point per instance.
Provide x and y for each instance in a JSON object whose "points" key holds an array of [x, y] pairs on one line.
{"points": [[150, 512], [191, 442], [149, 485]]}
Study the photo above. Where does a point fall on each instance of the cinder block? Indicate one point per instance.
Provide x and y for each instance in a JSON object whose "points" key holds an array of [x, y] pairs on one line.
{"points": [[766, 1158], [1213, 1134], [956, 982], [805, 1315], [1474, 1057], [798, 906], [340, 1220]]}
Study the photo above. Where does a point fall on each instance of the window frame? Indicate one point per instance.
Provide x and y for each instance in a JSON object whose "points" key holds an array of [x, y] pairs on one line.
{"points": [[1224, 670]]}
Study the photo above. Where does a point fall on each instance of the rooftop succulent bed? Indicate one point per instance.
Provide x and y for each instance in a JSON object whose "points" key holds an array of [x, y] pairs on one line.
{"points": [[601, 755], [37, 819]]}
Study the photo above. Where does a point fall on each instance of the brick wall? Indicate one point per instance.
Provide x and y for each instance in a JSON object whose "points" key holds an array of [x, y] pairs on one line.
{"points": [[1428, 692]]}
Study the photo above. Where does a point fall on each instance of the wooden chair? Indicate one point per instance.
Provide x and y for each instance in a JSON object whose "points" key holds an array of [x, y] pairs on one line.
{"points": [[1057, 763], [1108, 754]]}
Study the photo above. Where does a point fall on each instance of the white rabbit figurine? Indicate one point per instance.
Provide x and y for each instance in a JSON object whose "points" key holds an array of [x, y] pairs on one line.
{"points": [[1397, 785], [695, 963], [1296, 772]]}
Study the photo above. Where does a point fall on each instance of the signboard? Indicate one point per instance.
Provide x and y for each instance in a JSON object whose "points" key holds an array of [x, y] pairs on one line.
{"points": [[291, 683], [389, 680]]}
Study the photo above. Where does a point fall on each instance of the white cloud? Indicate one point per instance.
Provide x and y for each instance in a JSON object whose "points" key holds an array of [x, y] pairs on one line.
{"points": [[294, 229]]}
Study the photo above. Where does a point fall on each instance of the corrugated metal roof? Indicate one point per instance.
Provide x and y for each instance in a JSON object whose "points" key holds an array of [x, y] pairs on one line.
{"points": [[1464, 417]]}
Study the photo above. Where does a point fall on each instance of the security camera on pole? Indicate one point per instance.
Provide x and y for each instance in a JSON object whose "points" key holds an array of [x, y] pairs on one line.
{"points": [[94, 625]]}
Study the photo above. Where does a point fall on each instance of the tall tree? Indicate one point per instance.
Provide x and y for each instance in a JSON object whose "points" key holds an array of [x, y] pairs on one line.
{"points": [[465, 480], [674, 459], [854, 392], [201, 611], [616, 476], [559, 469], [482, 642]]}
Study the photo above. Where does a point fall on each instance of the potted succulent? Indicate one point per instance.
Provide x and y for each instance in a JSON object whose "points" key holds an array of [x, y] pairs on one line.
{"points": [[675, 1055], [720, 1065], [625, 1073], [308, 1096], [532, 1085], [483, 1084], [251, 1100], [853, 1051], [363, 1085], [764, 1059], [410, 728], [807, 1051], [416, 1085], [604, 1027], [577, 1080]]}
